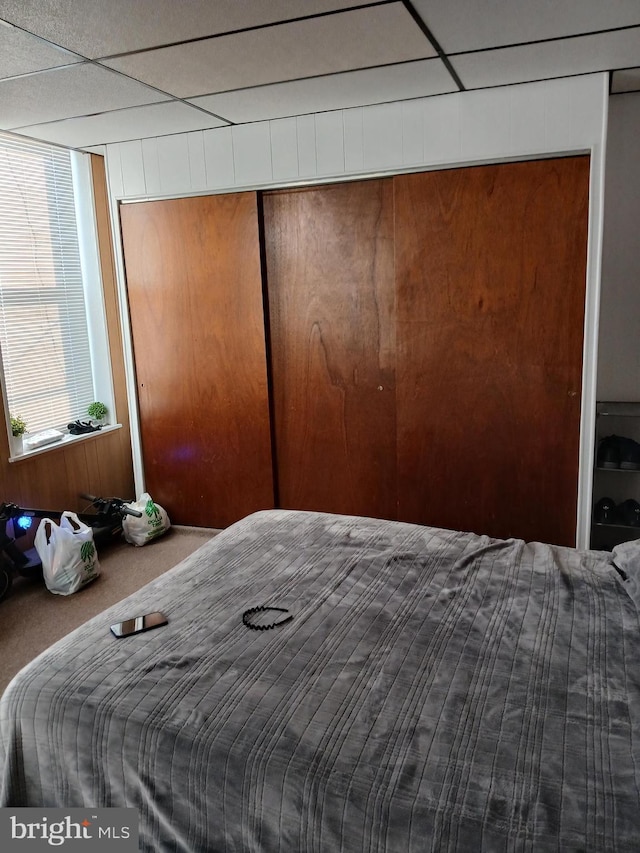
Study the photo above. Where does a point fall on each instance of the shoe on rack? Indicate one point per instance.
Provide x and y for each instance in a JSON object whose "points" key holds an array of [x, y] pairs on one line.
{"points": [[605, 512], [629, 513], [629, 454], [616, 451], [608, 452]]}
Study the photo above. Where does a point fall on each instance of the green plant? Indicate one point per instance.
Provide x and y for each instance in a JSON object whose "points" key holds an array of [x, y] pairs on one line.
{"points": [[18, 426], [97, 411]]}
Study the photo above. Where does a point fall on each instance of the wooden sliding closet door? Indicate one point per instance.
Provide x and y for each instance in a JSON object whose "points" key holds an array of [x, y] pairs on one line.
{"points": [[195, 297], [491, 268], [329, 262]]}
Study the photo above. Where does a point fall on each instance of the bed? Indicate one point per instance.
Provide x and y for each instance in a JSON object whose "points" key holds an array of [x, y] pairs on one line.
{"points": [[433, 691]]}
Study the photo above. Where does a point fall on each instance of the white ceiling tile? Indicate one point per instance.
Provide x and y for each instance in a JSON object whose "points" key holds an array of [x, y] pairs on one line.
{"points": [[627, 80], [76, 90], [544, 60], [460, 25], [332, 55], [97, 28], [339, 91], [356, 39], [21, 53], [123, 125]]}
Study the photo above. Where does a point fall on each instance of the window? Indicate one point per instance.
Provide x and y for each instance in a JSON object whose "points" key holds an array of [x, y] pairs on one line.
{"points": [[49, 277]]}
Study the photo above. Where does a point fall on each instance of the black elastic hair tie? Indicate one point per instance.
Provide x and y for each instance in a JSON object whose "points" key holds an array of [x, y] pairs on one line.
{"points": [[248, 613]]}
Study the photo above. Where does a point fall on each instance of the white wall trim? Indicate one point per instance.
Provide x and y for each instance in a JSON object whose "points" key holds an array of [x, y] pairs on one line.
{"points": [[591, 329], [530, 121], [92, 281], [367, 176]]}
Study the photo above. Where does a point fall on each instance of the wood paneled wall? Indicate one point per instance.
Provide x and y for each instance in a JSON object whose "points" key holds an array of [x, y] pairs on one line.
{"points": [[101, 464], [194, 285], [491, 271], [329, 265], [426, 338], [423, 336]]}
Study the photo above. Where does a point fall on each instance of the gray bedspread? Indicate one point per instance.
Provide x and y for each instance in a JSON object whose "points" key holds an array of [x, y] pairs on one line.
{"points": [[435, 691]]}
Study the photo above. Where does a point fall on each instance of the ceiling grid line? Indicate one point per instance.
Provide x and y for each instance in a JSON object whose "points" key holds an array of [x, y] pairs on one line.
{"points": [[82, 73], [196, 39]]}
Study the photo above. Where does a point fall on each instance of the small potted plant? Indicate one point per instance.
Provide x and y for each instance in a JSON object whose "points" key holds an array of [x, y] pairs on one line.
{"points": [[97, 411], [18, 429]]}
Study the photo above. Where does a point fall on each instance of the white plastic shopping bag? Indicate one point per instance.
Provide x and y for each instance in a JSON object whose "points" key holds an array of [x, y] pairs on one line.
{"points": [[153, 522], [67, 552]]}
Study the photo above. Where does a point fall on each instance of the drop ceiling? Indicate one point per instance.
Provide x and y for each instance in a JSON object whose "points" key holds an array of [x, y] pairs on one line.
{"points": [[84, 73]]}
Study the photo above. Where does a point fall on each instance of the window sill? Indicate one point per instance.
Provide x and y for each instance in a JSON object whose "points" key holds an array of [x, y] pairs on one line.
{"points": [[64, 443]]}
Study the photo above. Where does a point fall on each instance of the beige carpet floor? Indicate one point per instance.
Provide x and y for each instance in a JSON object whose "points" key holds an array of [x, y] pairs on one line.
{"points": [[32, 618]]}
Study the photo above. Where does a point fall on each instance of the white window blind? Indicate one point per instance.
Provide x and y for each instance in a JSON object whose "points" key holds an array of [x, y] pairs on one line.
{"points": [[43, 324]]}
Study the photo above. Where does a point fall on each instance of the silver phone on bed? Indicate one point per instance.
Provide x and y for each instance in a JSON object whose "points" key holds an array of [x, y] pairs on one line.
{"points": [[138, 624]]}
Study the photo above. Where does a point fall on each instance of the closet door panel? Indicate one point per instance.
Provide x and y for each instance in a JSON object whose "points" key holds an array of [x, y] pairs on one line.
{"points": [[195, 297], [329, 262], [491, 270]]}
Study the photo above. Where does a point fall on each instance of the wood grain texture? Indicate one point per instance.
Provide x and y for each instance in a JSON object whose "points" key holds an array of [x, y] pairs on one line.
{"points": [[109, 286], [491, 270], [195, 297], [101, 464], [119, 478], [329, 261]]}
